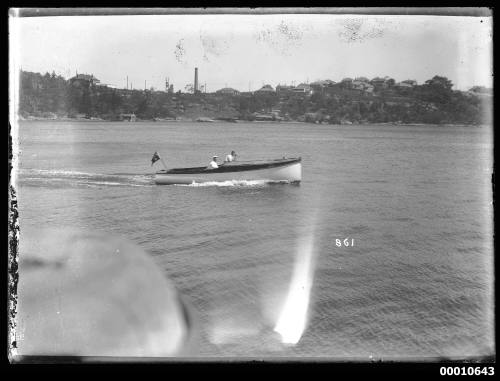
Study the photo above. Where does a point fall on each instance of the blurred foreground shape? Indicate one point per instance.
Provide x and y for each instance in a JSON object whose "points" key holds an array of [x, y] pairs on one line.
{"points": [[89, 294]]}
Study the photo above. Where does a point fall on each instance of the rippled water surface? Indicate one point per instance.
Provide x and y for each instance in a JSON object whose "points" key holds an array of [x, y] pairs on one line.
{"points": [[416, 200]]}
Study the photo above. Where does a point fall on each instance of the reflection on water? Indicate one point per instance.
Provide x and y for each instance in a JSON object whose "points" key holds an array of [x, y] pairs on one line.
{"points": [[292, 320]]}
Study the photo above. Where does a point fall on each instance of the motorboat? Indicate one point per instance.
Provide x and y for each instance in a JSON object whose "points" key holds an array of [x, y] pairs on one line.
{"points": [[278, 170]]}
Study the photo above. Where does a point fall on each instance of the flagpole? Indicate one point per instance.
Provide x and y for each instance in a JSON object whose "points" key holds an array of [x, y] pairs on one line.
{"points": [[164, 166]]}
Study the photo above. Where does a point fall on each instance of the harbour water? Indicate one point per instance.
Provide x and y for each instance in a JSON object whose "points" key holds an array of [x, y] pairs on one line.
{"points": [[413, 202]]}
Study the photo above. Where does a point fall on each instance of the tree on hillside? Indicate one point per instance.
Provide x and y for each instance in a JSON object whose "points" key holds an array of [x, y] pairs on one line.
{"points": [[436, 90], [438, 81]]}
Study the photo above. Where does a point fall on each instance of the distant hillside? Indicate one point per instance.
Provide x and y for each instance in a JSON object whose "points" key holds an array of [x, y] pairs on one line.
{"points": [[434, 102]]}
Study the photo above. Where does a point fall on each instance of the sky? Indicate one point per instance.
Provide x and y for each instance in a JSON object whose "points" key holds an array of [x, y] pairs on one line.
{"points": [[246, 51]]}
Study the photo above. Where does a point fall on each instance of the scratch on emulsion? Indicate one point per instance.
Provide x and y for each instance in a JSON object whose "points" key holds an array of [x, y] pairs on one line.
{"points": [[213, 47], [355, 30], [284, 38], [180, 51], [13, 274]]}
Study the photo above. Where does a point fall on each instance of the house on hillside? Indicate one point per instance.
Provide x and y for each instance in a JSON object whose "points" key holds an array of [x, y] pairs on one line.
{"points": [[362, 79], [346, 83], [266, 89], [84, 80], [283, 89], [303, 88], [379, 83], [363, 86], [358, 85], [227, 91], [382, 83], [410, 82], [390, 81], [321, 86], [369, 89], [403, 85]]}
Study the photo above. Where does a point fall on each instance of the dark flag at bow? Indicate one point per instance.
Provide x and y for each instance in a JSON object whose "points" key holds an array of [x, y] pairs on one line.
{"points": [[155, 158]]}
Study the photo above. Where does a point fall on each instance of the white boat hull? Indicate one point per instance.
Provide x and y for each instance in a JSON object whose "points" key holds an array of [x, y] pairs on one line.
{"points": [[286, 173]]}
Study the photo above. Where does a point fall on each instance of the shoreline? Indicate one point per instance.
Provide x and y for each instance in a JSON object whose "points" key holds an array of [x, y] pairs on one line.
{"points": [[65, 119]]}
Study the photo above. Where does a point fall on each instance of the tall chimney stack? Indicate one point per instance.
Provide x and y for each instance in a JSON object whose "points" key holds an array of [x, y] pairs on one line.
{"points": [[195, 79]]}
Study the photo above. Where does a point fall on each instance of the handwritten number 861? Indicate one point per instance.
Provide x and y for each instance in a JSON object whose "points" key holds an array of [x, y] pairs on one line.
{"points": [[344, 243]]}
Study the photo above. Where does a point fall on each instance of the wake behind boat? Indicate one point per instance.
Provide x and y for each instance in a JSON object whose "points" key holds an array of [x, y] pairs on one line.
{"points": [[278, 170]]}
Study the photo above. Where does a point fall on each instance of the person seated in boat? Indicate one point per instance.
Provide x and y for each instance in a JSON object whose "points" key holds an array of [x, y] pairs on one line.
{"points": [[213, 164], [230, 157]]}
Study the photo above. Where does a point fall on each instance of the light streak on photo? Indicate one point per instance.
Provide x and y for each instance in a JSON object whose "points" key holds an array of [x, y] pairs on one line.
{"points": [[293, 317]]}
